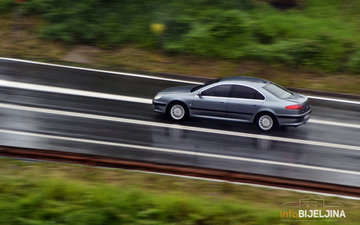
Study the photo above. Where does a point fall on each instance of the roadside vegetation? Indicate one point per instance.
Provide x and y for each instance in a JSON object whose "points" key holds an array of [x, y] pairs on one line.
{"points": [[68, 194], [314, 34], [315, 44]]}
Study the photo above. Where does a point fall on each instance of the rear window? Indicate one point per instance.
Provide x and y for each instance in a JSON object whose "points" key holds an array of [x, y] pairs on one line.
{"points": [[278, 91]]}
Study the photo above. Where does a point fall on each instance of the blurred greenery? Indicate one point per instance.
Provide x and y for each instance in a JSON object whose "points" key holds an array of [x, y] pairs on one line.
{"points": [[316, 34], [65, 194]]}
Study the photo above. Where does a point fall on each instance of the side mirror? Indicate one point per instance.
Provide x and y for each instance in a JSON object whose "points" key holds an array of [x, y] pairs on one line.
{"points": [[198, 95]]}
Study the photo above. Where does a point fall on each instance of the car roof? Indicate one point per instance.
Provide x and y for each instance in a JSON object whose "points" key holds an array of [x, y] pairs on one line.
{"points": [[243, 79]]}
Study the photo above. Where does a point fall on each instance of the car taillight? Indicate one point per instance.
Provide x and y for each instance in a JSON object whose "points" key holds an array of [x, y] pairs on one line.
{"points": [[294, 107], [309, 101]]}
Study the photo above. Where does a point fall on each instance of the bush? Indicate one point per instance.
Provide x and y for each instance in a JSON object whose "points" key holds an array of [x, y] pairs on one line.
{"points": [[319, 35], [6, 6], [354, 63], [212, 33], [293, 52]]}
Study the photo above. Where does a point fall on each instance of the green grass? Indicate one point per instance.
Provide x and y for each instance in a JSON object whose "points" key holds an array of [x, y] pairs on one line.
{"points": [[314, 46], [320, 35], [68, 194]]}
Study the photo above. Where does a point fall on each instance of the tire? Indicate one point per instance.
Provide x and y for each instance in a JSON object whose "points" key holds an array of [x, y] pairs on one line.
{"points": [[178, 111], [266, 122]]}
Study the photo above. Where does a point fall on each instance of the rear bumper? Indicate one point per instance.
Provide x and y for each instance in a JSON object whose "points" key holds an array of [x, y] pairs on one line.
{"points": [[294, 120]]}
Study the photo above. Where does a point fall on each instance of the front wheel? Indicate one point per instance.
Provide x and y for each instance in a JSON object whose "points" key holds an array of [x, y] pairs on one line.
{"points": [[178, 111], [266, 122]]}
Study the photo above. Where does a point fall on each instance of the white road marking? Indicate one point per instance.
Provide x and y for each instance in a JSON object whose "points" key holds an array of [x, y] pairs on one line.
{"points": [[335, 100], [176, 126], [101, 71], [148, 77], [180, 152], [44, 88], [332, 123]]}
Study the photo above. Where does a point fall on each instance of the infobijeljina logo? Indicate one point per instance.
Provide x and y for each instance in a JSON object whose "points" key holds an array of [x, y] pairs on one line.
{"points": [[311, 207]]}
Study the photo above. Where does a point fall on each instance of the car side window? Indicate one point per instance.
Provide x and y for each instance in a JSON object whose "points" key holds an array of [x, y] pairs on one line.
{"points": [[218, 91], [239, 91]]}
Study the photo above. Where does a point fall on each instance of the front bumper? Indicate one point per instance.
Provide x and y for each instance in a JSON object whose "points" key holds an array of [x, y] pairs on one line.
{"points": [[294, 120], [159, 107]]}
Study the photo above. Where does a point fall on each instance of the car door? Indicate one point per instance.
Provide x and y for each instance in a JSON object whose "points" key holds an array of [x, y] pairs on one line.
{"points": [[211, 102], [244, 102]]}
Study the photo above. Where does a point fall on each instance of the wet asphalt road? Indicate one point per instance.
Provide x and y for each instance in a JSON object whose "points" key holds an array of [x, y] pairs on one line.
{"points": [[254, 154]]}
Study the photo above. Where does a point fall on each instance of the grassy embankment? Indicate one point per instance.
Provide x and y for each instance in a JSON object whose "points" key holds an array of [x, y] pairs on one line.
{"points": [[315, 45], [45, 193]]}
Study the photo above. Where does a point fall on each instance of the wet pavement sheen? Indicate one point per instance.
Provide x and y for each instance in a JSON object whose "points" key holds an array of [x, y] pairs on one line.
{"points": [[168, 138]]}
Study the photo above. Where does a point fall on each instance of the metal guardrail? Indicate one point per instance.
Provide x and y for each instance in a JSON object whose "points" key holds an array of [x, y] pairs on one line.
{"points": [[232, 176]]}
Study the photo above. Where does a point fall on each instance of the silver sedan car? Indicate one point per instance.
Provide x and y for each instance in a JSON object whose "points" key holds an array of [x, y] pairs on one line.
{"points": [[240, 99]]}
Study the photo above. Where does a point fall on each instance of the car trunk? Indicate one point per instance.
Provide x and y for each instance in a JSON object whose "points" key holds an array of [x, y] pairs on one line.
{"points": [[298, 99]]}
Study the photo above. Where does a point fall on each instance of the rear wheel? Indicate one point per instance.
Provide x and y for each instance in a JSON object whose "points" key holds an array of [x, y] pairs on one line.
{"points": [[266, 122], [178, 111]]}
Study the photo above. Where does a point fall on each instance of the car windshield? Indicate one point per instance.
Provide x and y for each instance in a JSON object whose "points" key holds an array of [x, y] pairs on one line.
{"points": [[204, 85], [278, 91]]}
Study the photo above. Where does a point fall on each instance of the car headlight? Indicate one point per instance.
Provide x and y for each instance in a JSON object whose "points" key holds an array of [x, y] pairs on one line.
{"points": [[158, 96]]}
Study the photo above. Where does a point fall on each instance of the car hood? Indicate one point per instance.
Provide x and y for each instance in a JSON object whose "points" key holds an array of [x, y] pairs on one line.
{"points": [[178, 89]]}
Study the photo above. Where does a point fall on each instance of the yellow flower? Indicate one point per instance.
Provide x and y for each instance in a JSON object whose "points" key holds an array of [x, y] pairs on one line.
{"points": [[157, 28]]}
